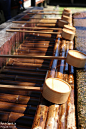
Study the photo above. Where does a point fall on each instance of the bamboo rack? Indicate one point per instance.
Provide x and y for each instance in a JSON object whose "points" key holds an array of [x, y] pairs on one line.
{"points": [[21, 82]]}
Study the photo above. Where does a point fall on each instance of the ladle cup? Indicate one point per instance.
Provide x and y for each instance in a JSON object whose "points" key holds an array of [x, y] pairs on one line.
{"points": [[56, 90], [76, 58]]}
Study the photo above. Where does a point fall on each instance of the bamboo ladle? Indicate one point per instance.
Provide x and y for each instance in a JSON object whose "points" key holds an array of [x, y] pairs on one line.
{"points": [[39, 32], [48, 91], [74, 58]]}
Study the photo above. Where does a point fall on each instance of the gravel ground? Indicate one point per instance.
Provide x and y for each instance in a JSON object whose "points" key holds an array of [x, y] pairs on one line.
{"points": [[80, 44]]}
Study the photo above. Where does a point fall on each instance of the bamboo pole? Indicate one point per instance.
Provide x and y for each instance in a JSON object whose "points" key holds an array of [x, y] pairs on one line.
{"points": [[71, 120], [39, 32], [52, 121], [63, 108], [62, 116], [61, 66], [36, 28], [34, 57], [66, 64], [40, 117], [52, 117], [60, 74]]}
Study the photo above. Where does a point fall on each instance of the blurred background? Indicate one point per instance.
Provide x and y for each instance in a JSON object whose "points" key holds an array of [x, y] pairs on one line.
{"points": [[14, 7]]}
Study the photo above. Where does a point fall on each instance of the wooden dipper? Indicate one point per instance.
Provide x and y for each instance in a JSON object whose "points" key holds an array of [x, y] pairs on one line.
{"points": [[56, 90], [76, 58], [67, 18], [70, 28], [65, 13], [61, 23], [67, 10], [68, 34]]}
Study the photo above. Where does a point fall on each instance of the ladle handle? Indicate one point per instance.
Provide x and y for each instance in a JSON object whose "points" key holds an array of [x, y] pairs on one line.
{"points": [[33, 57], [26, 31], [21, 87], [36, 28]]}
